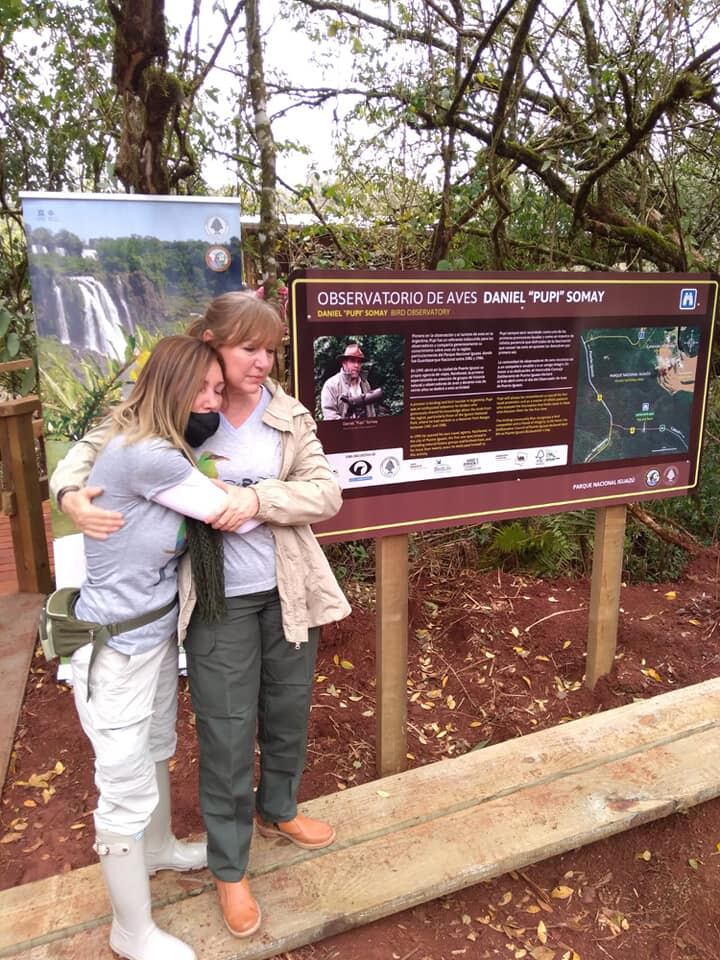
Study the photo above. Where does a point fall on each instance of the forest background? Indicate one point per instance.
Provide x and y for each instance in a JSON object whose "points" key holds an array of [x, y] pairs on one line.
{"points": [[522, 135]]}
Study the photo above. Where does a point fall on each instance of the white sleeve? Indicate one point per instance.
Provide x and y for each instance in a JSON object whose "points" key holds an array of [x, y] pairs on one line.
{"points": [[195, 496], [198, 497]]}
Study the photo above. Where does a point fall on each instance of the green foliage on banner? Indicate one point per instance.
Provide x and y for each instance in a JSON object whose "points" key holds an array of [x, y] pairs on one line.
{"points": [[76, 395]]}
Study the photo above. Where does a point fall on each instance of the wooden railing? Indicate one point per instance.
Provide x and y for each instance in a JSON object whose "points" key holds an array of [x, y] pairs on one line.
{"points": [[24, 485]]}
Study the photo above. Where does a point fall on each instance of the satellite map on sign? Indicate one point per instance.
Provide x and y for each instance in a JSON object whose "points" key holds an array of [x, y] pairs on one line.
{"points": [[635, 392]]}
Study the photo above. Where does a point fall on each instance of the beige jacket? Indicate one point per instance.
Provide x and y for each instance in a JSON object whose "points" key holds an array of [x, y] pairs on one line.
{"points": [[305, 492]]}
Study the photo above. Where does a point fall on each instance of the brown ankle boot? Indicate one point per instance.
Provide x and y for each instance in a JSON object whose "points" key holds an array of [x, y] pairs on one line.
{"points": [[240, 909], [301, 830]]}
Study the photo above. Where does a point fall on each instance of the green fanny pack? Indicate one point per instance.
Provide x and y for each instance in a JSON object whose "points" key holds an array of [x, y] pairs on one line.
{"points": [[62, 633]]}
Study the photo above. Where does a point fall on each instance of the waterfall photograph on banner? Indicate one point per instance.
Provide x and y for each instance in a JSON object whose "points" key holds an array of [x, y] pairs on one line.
{"points": [[109, 276]]}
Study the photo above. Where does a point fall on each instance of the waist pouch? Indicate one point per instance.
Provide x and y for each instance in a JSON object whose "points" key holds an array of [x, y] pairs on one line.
{"points": [[62, 633]]}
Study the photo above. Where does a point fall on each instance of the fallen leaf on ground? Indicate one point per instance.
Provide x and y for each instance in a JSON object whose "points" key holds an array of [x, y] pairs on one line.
{"points": [[542, 932], [562, 892], [653, 674], [542, 953]]}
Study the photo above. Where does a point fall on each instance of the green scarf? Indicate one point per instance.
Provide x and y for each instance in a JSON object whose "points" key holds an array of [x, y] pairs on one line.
{"points": [[207, 560]]}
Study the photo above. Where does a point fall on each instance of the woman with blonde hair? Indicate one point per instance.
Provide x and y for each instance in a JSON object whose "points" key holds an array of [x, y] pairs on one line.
{"points": [[126, 691], [252, 640]]}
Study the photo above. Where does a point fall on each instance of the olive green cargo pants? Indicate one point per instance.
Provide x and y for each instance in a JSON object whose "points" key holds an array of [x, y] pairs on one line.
{"points": [[248, 682]]}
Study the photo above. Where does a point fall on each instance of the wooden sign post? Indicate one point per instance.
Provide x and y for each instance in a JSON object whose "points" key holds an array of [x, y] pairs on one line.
{"points": [[605, 592], [391, 656]]}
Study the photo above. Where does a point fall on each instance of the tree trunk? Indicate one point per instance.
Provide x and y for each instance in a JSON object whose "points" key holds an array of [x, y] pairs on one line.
{"points": [[149, 94], [678, 538], [268, 230]]}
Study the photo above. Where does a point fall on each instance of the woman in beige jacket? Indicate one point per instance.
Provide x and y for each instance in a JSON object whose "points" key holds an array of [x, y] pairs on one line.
{"points": [[251, 636]]}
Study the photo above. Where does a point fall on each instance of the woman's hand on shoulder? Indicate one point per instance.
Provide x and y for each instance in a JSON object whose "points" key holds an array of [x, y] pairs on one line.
{"points": [[242, 505], [94, 522]]}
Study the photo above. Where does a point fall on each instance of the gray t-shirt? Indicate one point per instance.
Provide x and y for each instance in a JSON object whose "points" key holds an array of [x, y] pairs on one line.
{"points": [[134, 571], [242, 456]]}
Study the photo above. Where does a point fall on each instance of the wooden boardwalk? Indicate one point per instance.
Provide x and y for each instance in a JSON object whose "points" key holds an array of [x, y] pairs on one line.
{"points": [[18, 628], [415, 836], [8, 577]]}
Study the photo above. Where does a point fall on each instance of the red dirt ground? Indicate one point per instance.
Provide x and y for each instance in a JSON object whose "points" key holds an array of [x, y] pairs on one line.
{"points": [[491, 656]]}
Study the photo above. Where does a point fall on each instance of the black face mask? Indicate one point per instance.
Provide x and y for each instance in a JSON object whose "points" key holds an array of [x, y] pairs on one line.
{"points": [[201, 426]]}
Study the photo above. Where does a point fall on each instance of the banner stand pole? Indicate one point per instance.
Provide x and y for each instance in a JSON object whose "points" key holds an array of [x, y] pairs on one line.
{"points": [[605, 592], [391, 582]]}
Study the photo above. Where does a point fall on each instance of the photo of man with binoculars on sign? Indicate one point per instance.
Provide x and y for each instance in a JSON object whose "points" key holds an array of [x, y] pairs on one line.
{"points": [[357, 393]]}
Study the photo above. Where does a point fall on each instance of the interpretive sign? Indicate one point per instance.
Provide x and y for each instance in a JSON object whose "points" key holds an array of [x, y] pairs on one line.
{"points": [[453, 398]]}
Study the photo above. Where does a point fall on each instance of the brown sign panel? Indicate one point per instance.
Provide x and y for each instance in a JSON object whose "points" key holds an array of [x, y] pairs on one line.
{"points": [[455, 398]]}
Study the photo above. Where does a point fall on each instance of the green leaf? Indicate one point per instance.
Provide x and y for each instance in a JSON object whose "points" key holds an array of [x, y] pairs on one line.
{"points": [[27, 381], [13, 344]]}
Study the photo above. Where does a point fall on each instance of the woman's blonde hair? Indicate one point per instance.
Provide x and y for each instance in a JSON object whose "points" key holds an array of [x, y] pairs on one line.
{"points": [[239, 317], [161, 400]]}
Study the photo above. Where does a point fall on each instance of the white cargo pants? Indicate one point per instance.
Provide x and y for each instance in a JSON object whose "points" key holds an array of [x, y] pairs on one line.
{"points": [[130, 720]]}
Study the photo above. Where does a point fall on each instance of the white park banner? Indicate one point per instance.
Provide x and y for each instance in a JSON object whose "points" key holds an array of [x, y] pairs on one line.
{"points": [[111, 274]]}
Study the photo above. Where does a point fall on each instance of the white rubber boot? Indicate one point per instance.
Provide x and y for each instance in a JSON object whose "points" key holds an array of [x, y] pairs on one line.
{"points": [[133, 934], [163, 851]]}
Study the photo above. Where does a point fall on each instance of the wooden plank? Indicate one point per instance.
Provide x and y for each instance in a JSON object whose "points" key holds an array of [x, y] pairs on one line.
{"points": [[9, 366], [391, 653], [16, 408], [27, 525], [311, 900], [605, 592], [423, 795], [19, 618]]}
